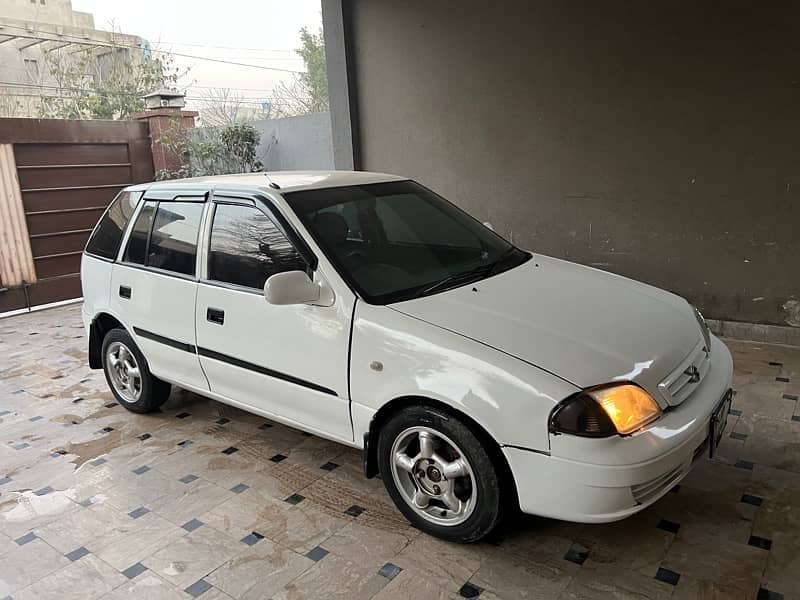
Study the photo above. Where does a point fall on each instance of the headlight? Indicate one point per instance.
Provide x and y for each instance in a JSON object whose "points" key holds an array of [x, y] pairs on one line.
{"points": [[602, 412], [703, 327]]}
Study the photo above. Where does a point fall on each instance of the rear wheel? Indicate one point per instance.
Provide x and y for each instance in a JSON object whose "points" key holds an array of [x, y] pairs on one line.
{"points": [[128, 375], [439, 474]]}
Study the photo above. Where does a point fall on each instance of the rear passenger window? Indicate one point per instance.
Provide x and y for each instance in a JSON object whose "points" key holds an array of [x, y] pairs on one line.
{"points": [[247, 247], [173, 241], [136, 252], [107, 236]]}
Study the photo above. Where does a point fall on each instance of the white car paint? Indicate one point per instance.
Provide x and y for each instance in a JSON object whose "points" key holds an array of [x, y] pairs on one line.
{"points": [[504, 351], [595, 480], [509, 398], [579, 323]]}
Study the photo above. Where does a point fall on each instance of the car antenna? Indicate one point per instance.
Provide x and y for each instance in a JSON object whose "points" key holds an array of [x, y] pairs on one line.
{"points": [[272, 184]]}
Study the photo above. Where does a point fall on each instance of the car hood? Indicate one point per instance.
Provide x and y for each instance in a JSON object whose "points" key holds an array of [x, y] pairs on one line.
{"points": [[584, 325]]}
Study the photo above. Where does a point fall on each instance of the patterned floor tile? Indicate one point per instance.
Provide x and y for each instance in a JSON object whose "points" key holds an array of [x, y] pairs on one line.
{"points": [[74, 464]]}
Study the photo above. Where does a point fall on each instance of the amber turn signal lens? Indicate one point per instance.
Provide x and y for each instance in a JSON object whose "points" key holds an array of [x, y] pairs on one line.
{"points": [[628, 406]]}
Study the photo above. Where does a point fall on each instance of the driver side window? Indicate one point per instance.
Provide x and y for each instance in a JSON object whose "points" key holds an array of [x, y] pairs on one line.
{"points": [[246, 247]]}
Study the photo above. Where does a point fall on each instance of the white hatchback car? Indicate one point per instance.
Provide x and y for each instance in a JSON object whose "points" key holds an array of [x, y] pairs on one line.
{"points": [[366, 309]]}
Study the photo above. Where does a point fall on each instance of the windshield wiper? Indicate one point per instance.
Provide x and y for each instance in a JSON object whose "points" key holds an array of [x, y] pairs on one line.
{"points": [[455, 279], [481, 271]]}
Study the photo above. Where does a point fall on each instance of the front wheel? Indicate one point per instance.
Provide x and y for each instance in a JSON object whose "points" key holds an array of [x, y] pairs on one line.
{"points": [[128, 375], [439, 474]]}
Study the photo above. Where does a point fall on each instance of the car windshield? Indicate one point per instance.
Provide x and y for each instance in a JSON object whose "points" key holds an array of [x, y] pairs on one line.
{"points": [[398, 240]]}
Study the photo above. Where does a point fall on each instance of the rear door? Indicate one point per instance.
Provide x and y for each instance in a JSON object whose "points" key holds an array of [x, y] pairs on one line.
{"points": [[285, 361], [154, 286], [102, 250]]}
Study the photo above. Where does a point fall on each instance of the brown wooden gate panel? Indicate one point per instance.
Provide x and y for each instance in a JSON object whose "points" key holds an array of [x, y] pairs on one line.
{"points": [[68, 172]]}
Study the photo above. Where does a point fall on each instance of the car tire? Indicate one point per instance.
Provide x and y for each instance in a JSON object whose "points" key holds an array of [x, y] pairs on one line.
{"points": [[439, 474], [128, 374]]}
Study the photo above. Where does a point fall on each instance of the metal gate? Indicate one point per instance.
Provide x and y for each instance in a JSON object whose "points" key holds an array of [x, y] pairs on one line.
{"points": [[56, 178]]}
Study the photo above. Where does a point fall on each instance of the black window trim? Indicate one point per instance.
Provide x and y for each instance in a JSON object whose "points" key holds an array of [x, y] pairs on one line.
{"points": [[124, 249], [289, 231], [103, 258], [188, 194], [267, 208], [158, 271], [158, 199], [126, 236], [195, 276], [254, 197], [233, 287]]}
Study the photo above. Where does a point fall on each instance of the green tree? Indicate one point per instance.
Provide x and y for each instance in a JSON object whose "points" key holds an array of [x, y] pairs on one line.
{"points": [[103, 84], [212, 150], [315, 79], [308, 93]]}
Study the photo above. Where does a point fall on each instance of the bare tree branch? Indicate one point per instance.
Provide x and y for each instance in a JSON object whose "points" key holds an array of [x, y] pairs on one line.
{"points": [[221, 107]]}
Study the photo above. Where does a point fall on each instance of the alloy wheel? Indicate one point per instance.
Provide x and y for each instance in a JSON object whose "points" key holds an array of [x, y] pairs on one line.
{"points": [[433, 476], [124, 372]]}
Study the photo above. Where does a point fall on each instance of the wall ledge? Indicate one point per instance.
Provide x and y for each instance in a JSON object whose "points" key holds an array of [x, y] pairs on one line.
{"points": [[756, 332]]}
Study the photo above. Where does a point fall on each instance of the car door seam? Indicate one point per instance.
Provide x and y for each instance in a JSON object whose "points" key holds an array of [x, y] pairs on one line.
{"points": [[349, 359]]}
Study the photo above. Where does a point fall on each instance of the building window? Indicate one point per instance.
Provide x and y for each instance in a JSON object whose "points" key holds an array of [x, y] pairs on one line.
{"points": [[32, 69]]}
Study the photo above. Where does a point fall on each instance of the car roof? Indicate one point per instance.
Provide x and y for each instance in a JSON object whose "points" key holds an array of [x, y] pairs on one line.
{"points": [[288, 181]]}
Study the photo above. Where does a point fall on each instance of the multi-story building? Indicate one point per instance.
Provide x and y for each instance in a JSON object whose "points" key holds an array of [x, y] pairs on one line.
{"points": [[43, 44]]}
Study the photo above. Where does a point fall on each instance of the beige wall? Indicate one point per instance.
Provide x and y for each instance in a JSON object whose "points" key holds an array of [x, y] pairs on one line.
{"points": [[56, 22], [659, 140], [55, 12]]}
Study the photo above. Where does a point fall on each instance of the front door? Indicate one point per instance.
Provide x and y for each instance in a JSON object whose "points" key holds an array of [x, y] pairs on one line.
{"points": [[154, 287], [288, 362]]}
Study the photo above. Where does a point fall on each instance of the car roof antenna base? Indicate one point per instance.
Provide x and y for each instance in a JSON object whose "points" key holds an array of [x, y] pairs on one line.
{"points": [[272, 184]]}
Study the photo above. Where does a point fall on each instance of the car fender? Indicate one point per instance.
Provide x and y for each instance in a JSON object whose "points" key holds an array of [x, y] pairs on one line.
{"points": [[396, 356]]}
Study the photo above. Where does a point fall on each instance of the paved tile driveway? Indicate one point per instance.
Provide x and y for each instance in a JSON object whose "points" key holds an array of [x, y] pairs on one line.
{"points": [[202, 500]]}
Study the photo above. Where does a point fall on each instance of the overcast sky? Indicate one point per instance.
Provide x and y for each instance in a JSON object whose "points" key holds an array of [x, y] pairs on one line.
{"points": [[262, 32]]}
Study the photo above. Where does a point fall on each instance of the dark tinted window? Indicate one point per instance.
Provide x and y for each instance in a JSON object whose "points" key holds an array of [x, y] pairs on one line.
{"points": [[107, 235], [413, 219], [349, 213], [398, 240], [246, 247], [173, 242], [137, 242]]}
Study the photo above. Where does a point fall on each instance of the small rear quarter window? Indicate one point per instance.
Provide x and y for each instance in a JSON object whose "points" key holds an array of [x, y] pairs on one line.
{"points": [[173, 240], [107, 235]]}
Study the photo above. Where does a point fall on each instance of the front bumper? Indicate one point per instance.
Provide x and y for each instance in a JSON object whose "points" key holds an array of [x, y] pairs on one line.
{"points": [[599, 480]]}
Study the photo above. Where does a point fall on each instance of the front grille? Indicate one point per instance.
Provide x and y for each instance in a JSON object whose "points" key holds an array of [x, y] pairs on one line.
{"points": [[680, 384]]}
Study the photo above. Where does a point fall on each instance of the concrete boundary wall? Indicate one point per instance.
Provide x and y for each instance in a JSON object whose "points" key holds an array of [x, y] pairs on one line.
{"points": [[657, 140], [296, 143]]}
